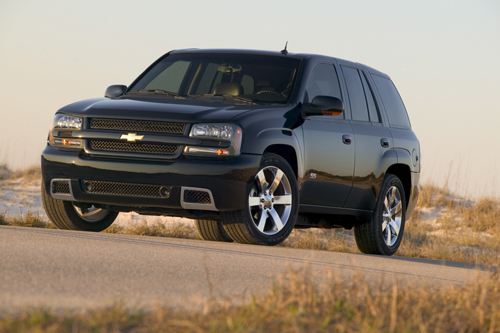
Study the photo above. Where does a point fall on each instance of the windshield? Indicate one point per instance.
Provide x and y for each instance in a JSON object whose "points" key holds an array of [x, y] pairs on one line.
{"points": [[221, 77]]}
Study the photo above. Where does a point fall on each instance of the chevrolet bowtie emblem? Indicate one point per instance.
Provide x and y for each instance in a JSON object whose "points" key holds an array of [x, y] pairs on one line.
{"points": [[131, 137]]}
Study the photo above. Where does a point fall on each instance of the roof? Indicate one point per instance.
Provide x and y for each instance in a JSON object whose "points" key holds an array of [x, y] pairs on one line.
{"points": [[317, 57], [244, 51]]}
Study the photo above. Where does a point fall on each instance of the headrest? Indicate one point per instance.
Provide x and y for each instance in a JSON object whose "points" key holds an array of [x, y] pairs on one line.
{"points": [[234, 89]]}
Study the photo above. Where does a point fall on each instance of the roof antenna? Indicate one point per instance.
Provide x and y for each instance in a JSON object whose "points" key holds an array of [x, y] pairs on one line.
{"points": [[284, 51]]}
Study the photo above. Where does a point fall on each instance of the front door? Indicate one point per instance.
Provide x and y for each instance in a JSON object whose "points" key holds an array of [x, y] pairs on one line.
{"points": [[329, 152]]}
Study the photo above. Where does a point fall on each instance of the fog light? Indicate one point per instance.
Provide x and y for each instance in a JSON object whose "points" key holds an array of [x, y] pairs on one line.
{"points": [[88, 186], [68, 142], [165, 191], [201, 150]]}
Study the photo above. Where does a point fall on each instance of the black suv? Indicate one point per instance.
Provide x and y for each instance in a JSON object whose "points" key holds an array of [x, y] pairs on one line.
{"points": [[250, 144]]}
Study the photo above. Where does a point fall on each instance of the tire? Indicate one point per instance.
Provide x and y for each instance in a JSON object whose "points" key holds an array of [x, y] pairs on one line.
{"points": [[66, 215], [271, 206], [212, 231], [377, 236]]}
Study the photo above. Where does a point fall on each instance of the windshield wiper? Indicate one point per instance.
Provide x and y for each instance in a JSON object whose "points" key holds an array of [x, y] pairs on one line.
{"points": [[155, 91], [225, 96]]}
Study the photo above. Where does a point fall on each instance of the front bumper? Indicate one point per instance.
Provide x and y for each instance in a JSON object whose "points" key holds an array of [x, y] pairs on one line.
{"points": [[228, 179]]}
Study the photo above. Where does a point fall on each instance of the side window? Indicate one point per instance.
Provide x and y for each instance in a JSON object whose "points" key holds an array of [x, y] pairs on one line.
{"points": [[396, 111], [247, 83], [372, 106], [323, 81], [359, 108], [171, 78]]}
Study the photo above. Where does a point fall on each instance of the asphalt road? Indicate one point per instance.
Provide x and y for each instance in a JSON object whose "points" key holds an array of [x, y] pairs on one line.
{"points": [[58, 268]]}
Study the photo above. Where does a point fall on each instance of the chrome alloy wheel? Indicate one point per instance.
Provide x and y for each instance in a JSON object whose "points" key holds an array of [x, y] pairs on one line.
{"points": [[270, 200], [391, 216], [91, 214]]}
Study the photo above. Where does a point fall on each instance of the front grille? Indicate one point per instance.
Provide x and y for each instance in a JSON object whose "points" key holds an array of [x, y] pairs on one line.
{"points": [[137, 125], [202, 197], [60, 187], [144, 148], [127, 189]]}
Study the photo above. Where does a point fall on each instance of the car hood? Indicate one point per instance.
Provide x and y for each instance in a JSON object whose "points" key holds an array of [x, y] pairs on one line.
{"points": [[160, 109]]}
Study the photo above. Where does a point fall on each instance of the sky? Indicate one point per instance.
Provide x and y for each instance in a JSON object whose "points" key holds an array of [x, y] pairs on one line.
{"points": [[444, 57]]}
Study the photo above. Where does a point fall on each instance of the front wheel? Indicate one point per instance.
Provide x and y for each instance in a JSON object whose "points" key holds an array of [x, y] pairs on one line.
{"points": [[211, 231], [271, 206], [383, 233], [76, 216]]}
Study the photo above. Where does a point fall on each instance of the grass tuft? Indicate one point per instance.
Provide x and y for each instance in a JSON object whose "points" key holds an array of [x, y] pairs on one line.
{"points": [[296, 303], [157, 229], [30, 174], [28, 219], [337, 240], [4, 172]]}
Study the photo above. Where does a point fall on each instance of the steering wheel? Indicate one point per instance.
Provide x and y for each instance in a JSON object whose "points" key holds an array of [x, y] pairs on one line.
{"points": [[272, 92]]}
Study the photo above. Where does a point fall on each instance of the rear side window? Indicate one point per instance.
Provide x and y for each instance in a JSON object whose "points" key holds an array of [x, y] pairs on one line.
{"points": [[393, 103], [359, 108], [372, 106]]}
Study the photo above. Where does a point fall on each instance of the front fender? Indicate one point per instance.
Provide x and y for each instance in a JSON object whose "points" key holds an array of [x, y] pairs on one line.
{"points": [[275, 136]]}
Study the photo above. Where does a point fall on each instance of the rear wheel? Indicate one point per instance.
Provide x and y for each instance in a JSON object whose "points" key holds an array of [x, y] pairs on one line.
{"points": [[211, 231], [383, 233], [76, 216], [271, 206]]}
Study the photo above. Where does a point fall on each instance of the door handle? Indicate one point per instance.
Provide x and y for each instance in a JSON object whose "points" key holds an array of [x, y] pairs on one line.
{"points": [[346, 139], [384, 142]]}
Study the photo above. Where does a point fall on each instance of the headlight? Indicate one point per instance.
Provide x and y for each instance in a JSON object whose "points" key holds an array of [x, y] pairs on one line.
{"points": [[213, 131], [61, 133], [69, 122], [229, 133]]}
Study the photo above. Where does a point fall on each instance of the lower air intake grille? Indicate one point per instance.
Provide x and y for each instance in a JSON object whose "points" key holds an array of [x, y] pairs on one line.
{"points": [[192, 196], [126, 189], [143, 148], [60, 187]]}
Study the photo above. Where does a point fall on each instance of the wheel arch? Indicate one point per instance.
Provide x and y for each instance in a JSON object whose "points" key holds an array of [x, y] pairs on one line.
{"points": [[280, 141], [287, 152], [403, 172]]}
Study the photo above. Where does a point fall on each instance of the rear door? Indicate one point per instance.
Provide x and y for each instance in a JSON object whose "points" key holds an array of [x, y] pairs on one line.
{"points": [[329, 156], [371, 139]]}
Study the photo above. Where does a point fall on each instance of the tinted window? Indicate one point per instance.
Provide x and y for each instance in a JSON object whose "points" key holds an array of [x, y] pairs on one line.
{"points": [[207, 80], [323, 81], [200, 76], [393, 103], [359, 108], [171, 78], [247, 83], [372, 106]]}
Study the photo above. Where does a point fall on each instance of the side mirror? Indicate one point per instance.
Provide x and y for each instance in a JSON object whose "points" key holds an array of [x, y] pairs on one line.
{"points": [[115, 90], [325, 106]]}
